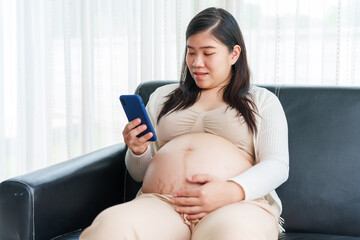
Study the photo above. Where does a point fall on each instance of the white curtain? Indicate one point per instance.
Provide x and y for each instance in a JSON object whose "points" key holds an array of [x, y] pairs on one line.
{"points": [[64, 63]]}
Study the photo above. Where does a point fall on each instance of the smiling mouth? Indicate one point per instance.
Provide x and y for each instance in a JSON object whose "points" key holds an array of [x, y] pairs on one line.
{"points": [[200, 74]]}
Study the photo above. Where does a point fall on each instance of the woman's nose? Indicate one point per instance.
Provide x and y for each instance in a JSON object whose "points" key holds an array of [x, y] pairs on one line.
{"points": [[198, 62]]}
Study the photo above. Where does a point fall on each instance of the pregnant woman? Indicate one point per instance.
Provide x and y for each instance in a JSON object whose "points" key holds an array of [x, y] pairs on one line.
{"points": [[221, 152]]}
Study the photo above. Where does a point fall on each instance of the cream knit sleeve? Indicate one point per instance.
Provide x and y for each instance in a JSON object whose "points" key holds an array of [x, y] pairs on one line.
{"points": [[271, 150], [138, 164]]}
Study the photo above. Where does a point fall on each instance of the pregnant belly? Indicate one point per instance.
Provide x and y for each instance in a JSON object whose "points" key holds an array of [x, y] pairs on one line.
{"points": [[190, 154]]}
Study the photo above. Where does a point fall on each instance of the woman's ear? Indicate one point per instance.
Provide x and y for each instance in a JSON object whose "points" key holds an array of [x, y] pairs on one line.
{"points": [[235, 54]]}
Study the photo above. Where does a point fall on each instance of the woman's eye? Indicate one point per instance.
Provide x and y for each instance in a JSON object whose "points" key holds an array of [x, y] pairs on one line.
{"points": [[190, 53], [208, 54]]}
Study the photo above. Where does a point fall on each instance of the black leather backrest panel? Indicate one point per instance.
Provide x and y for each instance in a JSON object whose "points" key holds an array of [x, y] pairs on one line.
{"points": [[323, 192], [145, 89]]}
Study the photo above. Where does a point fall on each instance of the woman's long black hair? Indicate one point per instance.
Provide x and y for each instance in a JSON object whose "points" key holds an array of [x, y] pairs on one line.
{"points": [[222, 26]]}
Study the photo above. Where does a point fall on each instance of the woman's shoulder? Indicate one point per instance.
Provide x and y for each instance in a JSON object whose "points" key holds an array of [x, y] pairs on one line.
{"points": [[166, 89], [261, 93], [160, 94], [264, 98]]}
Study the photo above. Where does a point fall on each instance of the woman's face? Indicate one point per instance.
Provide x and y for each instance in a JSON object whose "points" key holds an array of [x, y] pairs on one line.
{"points": [[209, 60]]}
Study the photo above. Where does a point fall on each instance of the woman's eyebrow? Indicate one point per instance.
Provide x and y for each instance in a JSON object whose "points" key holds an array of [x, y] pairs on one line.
{"points": [[188, 46]]}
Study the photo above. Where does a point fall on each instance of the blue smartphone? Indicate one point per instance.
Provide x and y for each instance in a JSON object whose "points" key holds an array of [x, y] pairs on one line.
{"points": [[134, 108]]}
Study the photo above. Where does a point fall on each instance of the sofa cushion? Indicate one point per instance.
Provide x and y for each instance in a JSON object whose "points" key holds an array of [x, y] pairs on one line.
{"points": [[314, 236], [284, 236]]}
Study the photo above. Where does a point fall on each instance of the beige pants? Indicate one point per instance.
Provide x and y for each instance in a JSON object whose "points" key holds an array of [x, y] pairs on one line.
{"points": [[153, 217]]}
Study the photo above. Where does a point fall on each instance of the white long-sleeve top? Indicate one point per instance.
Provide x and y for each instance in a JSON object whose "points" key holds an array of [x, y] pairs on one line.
{"points": [[271, 167]]}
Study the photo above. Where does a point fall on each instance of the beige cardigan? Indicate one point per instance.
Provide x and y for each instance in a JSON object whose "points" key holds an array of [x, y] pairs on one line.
{"points": [[271, 147]]}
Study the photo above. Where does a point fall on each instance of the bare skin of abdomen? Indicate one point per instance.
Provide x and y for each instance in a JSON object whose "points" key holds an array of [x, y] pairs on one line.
{"points": [[190, 154]]}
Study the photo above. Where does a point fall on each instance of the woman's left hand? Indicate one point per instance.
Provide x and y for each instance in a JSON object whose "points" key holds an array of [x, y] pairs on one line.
{"points": [[211, 194]]}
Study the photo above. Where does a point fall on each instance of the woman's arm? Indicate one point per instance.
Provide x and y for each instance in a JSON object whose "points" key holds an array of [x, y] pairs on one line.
{"points": [[272, 154], [137, 164]]}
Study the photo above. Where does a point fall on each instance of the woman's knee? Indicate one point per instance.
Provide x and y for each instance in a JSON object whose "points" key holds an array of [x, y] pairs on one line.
{"points": [[114, 222], [237, 222], [118, 213], [139, 219]]}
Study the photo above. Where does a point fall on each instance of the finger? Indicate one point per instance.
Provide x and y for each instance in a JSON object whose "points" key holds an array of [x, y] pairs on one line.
{"points": [[131, 125], [145, 138], [191, 192], [189, 210], [131, 130], [131, 135], [200, 178], [186, 201], [137, 145], [198, 216]]}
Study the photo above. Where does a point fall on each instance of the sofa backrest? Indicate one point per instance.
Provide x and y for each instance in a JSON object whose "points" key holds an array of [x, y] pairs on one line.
{"points": [[322, 194]]}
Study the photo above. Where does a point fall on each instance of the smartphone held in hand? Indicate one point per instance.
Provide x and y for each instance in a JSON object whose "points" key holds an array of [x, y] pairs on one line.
{"points": [[135, 108]]}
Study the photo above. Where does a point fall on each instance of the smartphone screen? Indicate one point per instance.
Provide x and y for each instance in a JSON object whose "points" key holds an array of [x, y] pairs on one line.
{"points": [[135, 108]]}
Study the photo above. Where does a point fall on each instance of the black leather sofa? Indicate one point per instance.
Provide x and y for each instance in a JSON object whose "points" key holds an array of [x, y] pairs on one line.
{"points": [[321, 199]]}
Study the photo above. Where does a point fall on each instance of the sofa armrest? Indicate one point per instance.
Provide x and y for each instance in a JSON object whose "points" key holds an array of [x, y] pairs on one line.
{"points": [[63, 197]]}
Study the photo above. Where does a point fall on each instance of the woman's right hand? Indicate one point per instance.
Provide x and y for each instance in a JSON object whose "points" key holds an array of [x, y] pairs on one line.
{"points": [[138, 145]]}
